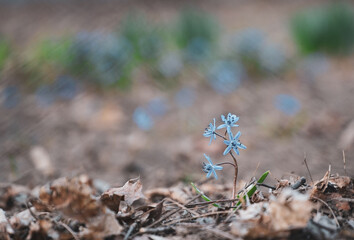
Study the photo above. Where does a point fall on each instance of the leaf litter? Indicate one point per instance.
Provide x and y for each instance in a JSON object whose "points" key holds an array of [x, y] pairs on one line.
{"points": [[75, 208]]}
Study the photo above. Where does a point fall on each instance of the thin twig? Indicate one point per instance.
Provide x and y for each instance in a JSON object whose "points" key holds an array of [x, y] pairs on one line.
{"points": [[344, 165], [220, 233], [265, 185], [182, 206], [171, 213], [192, 218], [254, 172], [67, 228], [130, 230], [211, 202], [342, 199], [330, 209], [307, 167]]}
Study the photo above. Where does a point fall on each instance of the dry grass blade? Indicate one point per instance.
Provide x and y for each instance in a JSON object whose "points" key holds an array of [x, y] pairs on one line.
{"points": [[200, 216], [211, 202], [330, 209], [183, 207]]}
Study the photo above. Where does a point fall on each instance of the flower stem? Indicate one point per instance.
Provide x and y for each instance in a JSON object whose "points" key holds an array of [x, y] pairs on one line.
{"points": [[235, 177], [217, 134], [223, 163]]}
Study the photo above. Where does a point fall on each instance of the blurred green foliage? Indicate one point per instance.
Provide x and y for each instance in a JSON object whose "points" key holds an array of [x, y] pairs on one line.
{"points": [[327, 29], [194, 24], [5, 52], [258, 57], [145, 37], [196, 33], [48, 59], [102, 59]]}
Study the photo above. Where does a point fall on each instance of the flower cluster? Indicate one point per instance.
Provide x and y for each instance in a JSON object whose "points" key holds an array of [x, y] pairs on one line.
{"points": [[232, 142]]}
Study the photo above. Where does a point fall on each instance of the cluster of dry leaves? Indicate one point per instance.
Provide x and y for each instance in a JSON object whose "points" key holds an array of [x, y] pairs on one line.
{"points": [[76, 208]]}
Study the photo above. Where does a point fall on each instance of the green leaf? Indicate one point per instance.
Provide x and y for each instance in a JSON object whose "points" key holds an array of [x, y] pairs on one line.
{"points": [[253, 187], [204, 196]]}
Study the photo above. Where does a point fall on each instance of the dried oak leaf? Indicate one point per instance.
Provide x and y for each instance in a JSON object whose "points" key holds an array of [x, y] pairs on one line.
{"points": [[129, 193], [74, 197]]}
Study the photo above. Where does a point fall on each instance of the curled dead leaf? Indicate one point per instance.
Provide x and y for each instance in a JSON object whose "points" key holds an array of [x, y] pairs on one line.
{"points": [[129, 193]]}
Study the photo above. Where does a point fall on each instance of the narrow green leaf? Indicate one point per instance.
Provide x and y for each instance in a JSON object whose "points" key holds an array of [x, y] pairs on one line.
{"points": [[254, 187], [204, 196]]}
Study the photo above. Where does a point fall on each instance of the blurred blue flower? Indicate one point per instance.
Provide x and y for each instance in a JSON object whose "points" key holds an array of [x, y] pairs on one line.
{"points": [[225, 76], [313, 66], [170, 65], [11, 96], [142, 119], [197, 49], [210, 132], [272, 59], [229, 121], [233, 143], [157, 106], [287, 104], [248, 43], [209, 168], [45, 95], [65, 87], [185, 97]]}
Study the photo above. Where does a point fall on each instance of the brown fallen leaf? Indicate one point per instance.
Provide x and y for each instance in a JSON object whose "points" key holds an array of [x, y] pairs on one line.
{"points": [[129, 193], [177, 193], [290, 209], [152, 215], [73, 197], [101, 227]]}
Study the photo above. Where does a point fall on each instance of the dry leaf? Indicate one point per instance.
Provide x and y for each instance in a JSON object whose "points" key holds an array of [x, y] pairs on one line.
{"points": [[101, 227], [290, 209], [177, 193], [74, 197], [129, 193]]}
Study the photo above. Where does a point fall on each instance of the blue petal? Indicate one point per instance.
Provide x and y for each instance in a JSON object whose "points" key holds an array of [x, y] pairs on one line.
{"points": [[222, 126], [209, 174], [218, 167], [231, 137], [237, 135], [237, 151], [227, 150], [227, 142], [208, 158], [216, 176], [223, 118], [211, 139], [242, 146]]}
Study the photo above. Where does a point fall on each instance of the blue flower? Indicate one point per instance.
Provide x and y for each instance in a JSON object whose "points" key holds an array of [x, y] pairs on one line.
{"points": [[210, 132], [143, 119], [229, 121], [233, 143], [287, 104], [209, 168]]}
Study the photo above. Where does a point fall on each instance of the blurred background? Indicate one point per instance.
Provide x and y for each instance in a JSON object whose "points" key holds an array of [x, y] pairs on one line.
{"points": [[120, 89]]}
